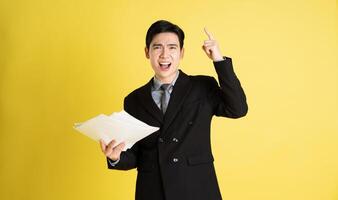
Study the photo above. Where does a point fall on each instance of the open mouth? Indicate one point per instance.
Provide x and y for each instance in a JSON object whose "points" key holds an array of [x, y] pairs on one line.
{"points": [[165, 65]]}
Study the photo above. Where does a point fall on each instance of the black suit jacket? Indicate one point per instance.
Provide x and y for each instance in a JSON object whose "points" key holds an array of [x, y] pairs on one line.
{"points": [[176, 162]]}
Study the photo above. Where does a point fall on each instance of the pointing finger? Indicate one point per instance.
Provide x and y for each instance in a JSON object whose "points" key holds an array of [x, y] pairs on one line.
{"points": [[209, 42], [210, 36]]}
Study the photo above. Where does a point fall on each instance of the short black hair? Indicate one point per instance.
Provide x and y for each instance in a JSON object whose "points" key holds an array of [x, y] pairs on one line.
{"points": [[162, 26]]}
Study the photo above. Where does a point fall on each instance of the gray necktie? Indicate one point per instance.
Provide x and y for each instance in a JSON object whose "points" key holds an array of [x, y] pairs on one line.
{"points": [[165, 97]]}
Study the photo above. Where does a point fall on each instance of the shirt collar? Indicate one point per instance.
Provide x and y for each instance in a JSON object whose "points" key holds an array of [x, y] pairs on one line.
{"points": [[157, 83]]}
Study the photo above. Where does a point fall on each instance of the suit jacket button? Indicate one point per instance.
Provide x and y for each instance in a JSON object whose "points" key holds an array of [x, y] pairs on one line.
{"points": [[160, 140], [175, 160], [190, 122], [175, 140]]}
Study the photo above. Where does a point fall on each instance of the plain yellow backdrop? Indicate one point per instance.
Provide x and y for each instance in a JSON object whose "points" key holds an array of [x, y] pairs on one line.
{"points": [[66, 61]]}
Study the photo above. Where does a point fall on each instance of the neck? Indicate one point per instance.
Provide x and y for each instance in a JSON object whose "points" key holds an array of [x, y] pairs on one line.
{"points": [[169, 79]]}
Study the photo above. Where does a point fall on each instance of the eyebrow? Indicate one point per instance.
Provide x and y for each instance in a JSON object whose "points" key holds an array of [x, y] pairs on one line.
{"points": [[156, 45]]}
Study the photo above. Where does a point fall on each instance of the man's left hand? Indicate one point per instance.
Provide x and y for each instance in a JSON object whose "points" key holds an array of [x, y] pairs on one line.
{"points": [[211, 47]]}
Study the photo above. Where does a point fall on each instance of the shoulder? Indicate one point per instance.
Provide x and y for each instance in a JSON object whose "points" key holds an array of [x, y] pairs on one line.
{"points": [[137, 94], [202, 81], [199, 86], [134, 93], [201, 78]]}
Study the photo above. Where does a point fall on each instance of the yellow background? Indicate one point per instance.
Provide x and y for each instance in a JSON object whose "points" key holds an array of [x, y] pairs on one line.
{"points": [[66, 61]]}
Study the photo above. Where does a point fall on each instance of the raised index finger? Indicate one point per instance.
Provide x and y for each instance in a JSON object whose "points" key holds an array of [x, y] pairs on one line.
{"points": [[210, 36]]}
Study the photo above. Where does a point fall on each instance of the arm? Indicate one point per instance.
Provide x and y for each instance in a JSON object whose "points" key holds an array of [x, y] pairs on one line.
{"points": [[118, 159], [229, 99], [126, 161]]}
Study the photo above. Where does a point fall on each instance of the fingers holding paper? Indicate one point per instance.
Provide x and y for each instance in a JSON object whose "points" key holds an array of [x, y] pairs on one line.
{"points": [[112, 150]]}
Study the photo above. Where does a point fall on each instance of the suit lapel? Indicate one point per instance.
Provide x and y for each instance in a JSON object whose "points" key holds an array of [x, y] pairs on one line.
{"points": [[180, 92], [147, 101]]}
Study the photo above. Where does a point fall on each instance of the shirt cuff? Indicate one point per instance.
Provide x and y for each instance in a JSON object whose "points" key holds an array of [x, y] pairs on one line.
{"points": [[112, 162]]}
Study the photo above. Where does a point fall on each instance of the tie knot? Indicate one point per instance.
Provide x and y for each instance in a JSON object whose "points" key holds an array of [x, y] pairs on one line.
{"points": [[165, 86]]}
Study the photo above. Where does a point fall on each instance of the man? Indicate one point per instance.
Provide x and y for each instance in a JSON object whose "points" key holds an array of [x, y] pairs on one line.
{"points": [[176, 162]]}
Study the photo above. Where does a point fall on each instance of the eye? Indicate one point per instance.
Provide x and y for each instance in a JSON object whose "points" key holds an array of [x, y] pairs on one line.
{"points": [[156, 47], [173, 47]]}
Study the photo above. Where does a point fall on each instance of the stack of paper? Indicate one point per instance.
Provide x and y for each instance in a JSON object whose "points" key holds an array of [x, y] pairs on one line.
{"points": [[120, 126]]}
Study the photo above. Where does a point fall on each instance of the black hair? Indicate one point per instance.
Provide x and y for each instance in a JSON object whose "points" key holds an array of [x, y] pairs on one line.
{"points": [[162, 26]]}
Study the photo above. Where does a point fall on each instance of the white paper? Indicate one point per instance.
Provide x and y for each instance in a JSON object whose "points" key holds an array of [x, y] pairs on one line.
{"points": [[120, 126]]}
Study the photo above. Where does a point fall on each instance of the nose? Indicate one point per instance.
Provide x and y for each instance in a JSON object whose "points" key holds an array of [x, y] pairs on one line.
{"points": [[164, 53]]}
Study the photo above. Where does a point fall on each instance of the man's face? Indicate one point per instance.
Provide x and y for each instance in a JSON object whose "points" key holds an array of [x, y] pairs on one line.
{"points": [[165, 53]]}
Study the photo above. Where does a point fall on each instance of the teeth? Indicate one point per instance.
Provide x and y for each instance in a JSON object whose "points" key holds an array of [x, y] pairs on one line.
{"points": [[165, 64]]}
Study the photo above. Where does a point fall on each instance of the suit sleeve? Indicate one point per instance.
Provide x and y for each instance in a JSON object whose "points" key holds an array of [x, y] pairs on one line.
{"points": [[228, 98], [128, 159]]}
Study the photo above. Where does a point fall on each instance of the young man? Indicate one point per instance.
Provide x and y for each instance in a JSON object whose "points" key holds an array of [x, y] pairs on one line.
{"points": [[176, 162]]}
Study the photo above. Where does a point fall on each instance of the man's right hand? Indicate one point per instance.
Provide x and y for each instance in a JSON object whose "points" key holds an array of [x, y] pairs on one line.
{"points": [[111, 151]]}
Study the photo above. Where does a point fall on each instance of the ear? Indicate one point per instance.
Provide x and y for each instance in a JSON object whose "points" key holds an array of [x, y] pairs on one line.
{"points": [[182, 53], [146, 51]]}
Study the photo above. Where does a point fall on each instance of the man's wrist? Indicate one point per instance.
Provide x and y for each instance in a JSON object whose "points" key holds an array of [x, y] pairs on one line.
{"points": [[219, 59], [113, 162]]}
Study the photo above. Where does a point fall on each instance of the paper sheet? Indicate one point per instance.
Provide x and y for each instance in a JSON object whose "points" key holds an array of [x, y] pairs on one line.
{"points": [[119, 126]]}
